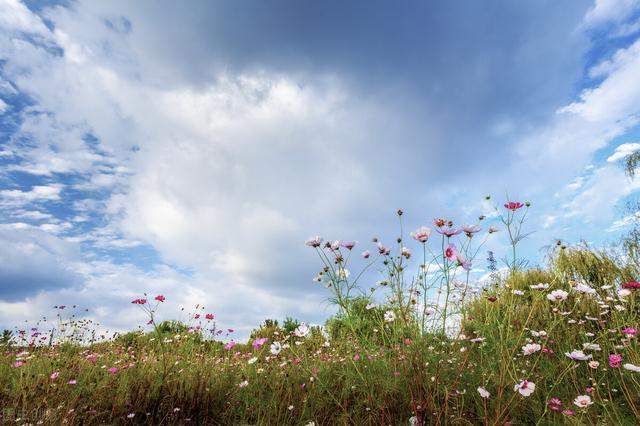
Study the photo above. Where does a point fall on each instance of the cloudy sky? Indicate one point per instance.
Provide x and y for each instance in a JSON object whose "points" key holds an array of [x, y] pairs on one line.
{"points": [[190, 149]]}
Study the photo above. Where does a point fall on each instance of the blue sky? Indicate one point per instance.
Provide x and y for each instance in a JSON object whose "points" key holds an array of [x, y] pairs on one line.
{"points": [[190, 151]]}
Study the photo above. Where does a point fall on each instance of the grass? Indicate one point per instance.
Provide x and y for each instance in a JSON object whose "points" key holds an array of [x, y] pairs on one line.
{"points": [[364, 367]]}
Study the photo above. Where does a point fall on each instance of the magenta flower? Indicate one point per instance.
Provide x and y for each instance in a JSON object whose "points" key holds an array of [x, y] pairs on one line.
{"points": [[555, 404], [258, 343], [421, 234], [615, 360], [365, 254], [139, 301], [629, 331], [450, 252], [631, 286], [18, 364], [72, 382], [513, 205], [209, 316], [54, 375], [230, 345], [113, 370]]}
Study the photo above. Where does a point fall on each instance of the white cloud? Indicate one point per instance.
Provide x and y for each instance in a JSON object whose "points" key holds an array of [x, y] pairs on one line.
{"points": [[37, 193], [626, 221], [623, 151], [610, 11]]}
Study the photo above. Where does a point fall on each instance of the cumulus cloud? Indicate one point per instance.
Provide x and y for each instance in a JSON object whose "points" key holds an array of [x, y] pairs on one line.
{"points": [[623, 151]]}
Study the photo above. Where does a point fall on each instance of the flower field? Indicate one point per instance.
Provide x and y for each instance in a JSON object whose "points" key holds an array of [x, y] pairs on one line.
{"points": [[425, 342]]}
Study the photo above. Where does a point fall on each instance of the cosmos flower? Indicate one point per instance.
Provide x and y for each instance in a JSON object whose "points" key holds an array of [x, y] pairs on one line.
{"points": [[557, 295], [629, 331], [583, 401], [276, 348], [594, 364], [301, 331], [492, 229], [54, 375], [421, 234], [539, 286], [470, 230], [259, 342], [483, 392], [139, 301], [365, 254], [370, 306], [209, 316], [389, 316], [517, 292], [615, 360], [448, 231], [513, 205], [584, 288], [555, 404], [591, 346], [631, 367], [405, 252], [252, 360], [383, 250], [631, 286], [349, 245], [525, 387], [314, 241], [450, 252], [230, 345], [160, 298], [578, 355], [530, 348]]}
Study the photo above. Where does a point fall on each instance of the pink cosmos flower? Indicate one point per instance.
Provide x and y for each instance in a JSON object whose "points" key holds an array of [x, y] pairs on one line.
{"points": [[513, 205], [492, 229], [258, 343], [470, 230], [18, 364], [209, 316], [113, 370], [160, 298], [568, 412], [629, 331], [615, 360], [450, 252], [448, 231], [230, 345], [54, 375], [314, 241], [139, 301], [466, 264], [383, 250], [525, 387], [196, 316], [356, 357], [365, 254], [421, 234], [72, 382], [555, 404], [349, 244]]}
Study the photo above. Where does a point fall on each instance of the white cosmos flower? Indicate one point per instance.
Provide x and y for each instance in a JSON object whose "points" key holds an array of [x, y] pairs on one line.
{"points": [[557, 295], [594, 364], [389, 316], [276, 347], [530, 348], [583, 288], [517, 292], [301, 331], [583, 401], [631, 367], [624, 292], [483, 392], [578, 355], [540, 286], [591, 347], [252, 360], [525, 387]]}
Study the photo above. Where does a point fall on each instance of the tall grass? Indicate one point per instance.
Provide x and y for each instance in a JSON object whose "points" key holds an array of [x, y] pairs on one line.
{"points": [[534, 346]]}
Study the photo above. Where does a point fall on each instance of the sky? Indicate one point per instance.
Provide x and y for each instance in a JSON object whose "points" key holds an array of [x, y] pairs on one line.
{"points": [[190, 149]]}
